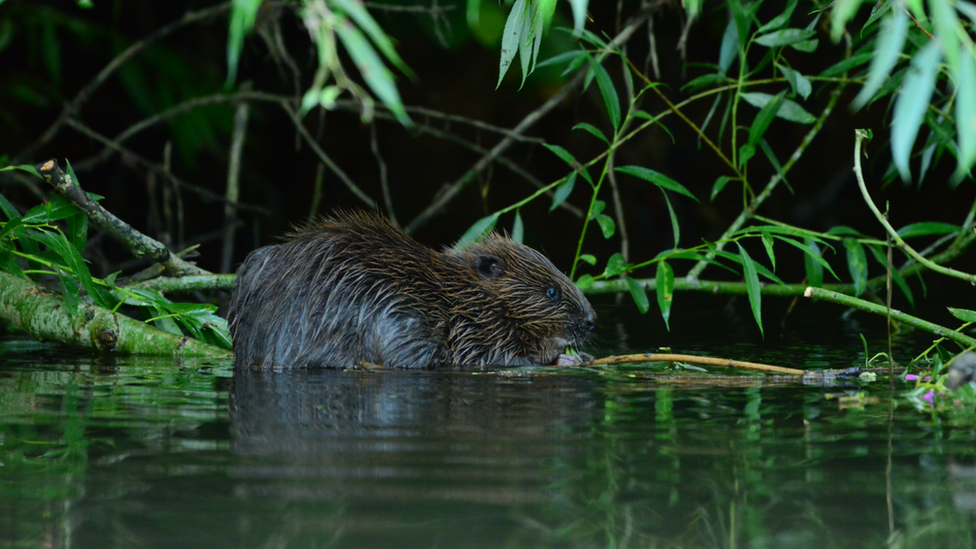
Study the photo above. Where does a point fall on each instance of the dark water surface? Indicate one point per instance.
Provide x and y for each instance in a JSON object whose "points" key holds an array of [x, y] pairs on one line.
{"points": [[136, 452]]}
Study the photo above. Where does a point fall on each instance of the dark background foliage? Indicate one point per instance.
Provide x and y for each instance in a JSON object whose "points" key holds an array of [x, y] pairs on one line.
{"points": [[51, 50]]}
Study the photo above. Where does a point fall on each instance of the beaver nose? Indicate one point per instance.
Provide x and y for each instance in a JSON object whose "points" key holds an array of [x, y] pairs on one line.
{"points": [[590, 322]]}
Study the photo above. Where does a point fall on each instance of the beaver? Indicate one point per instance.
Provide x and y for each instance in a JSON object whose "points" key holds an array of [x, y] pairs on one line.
{"points": [[355, 287]]}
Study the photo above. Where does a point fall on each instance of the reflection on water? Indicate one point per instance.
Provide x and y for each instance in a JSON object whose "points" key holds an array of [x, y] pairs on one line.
{"points": [[143, 454], [150, 453]]}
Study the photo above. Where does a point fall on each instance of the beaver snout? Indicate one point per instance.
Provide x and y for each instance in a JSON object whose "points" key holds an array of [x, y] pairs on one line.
{"points": [[589, 322], [582, 328]]}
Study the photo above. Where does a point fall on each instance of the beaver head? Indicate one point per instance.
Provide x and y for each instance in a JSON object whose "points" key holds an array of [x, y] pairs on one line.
{"points": [[522, 309]]}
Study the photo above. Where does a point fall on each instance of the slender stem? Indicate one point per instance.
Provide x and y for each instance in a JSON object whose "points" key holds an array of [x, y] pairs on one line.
{"points": [[709, 287], [692, 359], [589, 211], [735, 111], [860, 135], [749, 212], [443, 198], [233, 185]]}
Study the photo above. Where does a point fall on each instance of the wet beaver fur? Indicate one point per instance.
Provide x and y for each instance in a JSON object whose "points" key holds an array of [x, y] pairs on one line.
{"points": [[355, 287]]}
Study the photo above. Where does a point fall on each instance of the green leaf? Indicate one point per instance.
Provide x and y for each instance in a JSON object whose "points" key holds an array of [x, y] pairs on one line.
{"points": [[760, 269], [595, 40], [719, 184], [911, 104], [664, 287], [773, 229], [877, 11], [22, 167], [968, 9], [615, 265], [765, 118], [771, 156], [767, 241], [69, 292], [843, 11], [511, 37], [811, 254], [639, 294], [569, 159], [518, 230], [242, 17], [593, 130], [563, 191], [8, 209], [479, 228], [798, 83], [588, 258], [563, 154], [656, 119], [704, 82], [675, 227], [887, 50], [8, 262], [857, 264], [927, 228], [584, 282], [746, 152], [357, 12], [78, 230], [579, 15], [71, 258], [379, 79], [846, 65], [598, 207], [729, 50], [610, 98], [56, 209], [575, 57], [607, 226], [790, 110], [752, 286], [657, 178], [529, 39], [965, 315], [843, 230], [743, 15], [780, 19], [216, 333], [808, 46], [784, 37], [964, 71], [811, 265]]}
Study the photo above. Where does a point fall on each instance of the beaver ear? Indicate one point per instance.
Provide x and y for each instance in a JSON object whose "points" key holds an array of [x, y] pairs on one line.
{"points": [[489, 266]]}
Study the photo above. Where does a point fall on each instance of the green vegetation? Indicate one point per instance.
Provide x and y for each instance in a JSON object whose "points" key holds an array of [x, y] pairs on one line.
{"points": [[913, 60]]}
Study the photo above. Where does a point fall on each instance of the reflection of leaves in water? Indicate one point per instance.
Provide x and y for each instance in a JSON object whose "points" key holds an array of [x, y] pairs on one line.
{"points": [[521, 457]]}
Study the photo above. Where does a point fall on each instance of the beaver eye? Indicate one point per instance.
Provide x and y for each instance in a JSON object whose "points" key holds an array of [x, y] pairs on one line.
{"points": [[553, 293]]}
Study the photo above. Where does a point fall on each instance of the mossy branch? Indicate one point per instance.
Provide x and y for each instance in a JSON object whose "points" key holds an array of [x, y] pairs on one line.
{"points": [[44, 316], [138, 243], [962, 340], [186, 284]]}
